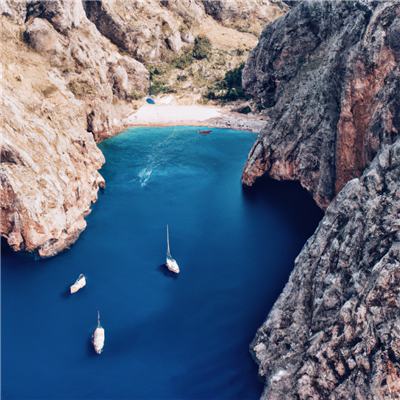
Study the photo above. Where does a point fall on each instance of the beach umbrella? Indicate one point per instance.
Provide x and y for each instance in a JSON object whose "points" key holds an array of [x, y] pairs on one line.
{"points": [[150, 101]]}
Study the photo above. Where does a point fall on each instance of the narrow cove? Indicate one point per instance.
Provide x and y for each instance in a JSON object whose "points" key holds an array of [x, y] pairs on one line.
{"points": [[168, 336]]}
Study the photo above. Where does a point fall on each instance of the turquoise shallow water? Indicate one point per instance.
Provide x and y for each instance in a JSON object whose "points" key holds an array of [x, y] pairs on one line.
{"points": [[168, 336]]}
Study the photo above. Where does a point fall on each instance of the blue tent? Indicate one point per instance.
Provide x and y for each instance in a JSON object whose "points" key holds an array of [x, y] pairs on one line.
{"points": [[150, 101]]}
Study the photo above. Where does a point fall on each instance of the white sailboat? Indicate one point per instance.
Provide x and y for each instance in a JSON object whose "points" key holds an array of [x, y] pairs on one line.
{"points": [[99, 336], [171, 263], [79, 284]]}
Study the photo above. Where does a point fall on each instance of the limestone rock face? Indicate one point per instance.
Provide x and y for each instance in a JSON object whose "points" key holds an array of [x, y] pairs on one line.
{"points": [[145, 29], [334, 332], [153, 30], [69, 81], [327, 76], [49, 162], [92, 66], [63, 86], [247, 14]]}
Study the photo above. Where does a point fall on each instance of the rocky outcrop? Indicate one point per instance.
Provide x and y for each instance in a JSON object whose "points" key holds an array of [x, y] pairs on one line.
{"points": [[327, 76], [334, 332], [144, 29], [63, 86], [153, 30], [49, 161], [250, 15], [70, 81]]}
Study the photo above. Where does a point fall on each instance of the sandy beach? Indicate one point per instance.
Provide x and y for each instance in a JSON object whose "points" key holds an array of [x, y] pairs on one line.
{"points": [[167, 114], [194, 115]]}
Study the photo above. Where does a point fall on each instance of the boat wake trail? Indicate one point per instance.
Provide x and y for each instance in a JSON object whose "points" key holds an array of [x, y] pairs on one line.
{"points": [[144, 176], [159, 157]]}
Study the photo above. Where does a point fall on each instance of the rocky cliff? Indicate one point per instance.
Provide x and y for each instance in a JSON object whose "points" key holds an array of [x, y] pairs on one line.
{"points": [[327, 76], [153, 30], [63, 85], [70, 77], [334, 332]]}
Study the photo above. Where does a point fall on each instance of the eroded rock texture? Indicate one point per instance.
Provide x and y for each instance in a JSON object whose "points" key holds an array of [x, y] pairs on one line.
{"points": [[153, 30], [334, 332], [63, 86], [327, 74]]}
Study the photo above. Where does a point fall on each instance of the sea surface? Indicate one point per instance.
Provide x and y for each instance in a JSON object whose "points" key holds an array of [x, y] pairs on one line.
{"points": [[168, 336]]}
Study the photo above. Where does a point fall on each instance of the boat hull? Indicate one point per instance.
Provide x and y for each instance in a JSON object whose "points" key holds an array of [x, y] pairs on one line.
{"points": [[172, 265], [98, 339], [79, 284]]}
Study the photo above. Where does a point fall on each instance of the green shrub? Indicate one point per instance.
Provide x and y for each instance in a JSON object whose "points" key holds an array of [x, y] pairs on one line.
{"points": [[202, 47], [135, 96], [245, 110], [211, 92], [157, 87], [232, 83], [158, 69], [182, 62], [260, 106], [233, 78], [181, 78]]}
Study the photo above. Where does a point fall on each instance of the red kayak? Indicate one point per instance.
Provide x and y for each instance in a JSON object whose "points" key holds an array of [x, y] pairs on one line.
{"points": [[204, 132]]}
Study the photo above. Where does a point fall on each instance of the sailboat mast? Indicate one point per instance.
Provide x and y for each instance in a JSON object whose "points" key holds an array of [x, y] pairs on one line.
{"points": [[98, 318], [168, 240]]}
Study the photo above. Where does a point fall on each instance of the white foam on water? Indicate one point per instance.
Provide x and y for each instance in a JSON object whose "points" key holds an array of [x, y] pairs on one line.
{"points": [[145, 176]]}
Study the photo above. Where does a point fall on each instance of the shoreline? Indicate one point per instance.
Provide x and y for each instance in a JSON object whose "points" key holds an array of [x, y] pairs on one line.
{"points": [[194, 115]]}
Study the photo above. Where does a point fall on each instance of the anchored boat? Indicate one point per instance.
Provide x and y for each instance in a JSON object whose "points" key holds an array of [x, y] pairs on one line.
{"points": [[79, 283], [204, 132], [171, 263], [98, 337]]}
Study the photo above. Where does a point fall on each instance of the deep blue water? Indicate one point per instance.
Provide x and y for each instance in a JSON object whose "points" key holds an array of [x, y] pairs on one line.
{"points": [[168, 336]]}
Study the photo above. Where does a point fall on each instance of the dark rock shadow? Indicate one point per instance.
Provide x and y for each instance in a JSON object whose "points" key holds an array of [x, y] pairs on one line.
{"points": [[163, 268], [288, 198]]}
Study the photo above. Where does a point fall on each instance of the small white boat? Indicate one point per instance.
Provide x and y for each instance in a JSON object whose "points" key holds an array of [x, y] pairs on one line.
{"points": [[171, 263], [99, 336], [79, 283]]}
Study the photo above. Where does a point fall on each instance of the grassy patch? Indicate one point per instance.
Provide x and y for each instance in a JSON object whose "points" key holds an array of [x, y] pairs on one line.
{"points": [[80, 89], [157, 87], [49, 90], [202, 47], [229, 89], [135, 96], [182, 62], [245, 110]]}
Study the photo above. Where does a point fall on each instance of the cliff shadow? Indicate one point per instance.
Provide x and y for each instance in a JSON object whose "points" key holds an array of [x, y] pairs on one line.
{"points": [[288, 198]]}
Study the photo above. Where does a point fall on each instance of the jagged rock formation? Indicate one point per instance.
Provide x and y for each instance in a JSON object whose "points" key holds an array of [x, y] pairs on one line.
{"points": [[63, 84], [334, 332], [327, 74], [158, 30], [243, 11]]}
